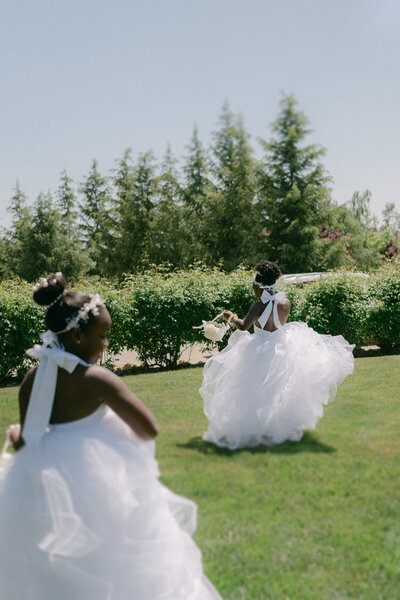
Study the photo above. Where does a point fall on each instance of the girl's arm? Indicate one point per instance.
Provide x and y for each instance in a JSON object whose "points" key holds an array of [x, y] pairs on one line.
{"points": [[109, 388], [23, 400], [248, 321]]}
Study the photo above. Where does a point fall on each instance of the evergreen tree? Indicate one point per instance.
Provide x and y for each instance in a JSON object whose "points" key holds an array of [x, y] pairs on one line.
{"points": [[5, 252], [41, 250], [97, 220], [135, 190], [66, 202], [230, 216], [76, 256], [46, 246], [195, 171], [293, 184], [166, 239], [195, 195], [16, 236]]}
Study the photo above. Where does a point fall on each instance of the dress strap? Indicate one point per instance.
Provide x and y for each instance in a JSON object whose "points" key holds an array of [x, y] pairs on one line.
{"points": [[271, 302], [51, 355]]}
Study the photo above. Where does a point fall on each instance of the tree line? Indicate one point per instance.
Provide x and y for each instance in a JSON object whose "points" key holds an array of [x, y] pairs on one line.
{"points": [[220, 205]]}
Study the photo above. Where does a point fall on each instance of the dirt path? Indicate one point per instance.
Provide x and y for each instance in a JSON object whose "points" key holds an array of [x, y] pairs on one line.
{"points": [[196, 354], [193, 355]]}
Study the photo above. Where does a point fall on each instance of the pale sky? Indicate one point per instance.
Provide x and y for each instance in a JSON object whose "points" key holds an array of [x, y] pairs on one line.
{"points": [[84, 79]]}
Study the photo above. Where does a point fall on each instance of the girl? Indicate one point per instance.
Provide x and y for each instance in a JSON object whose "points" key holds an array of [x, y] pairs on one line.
{"points": [[267, 387], [82, 513]]}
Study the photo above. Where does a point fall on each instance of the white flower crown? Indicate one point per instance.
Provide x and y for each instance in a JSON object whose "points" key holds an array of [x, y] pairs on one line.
{"points": [[83, 314]]}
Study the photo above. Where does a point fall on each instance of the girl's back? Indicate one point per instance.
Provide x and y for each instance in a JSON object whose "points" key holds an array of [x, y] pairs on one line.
{"points": [[75, 395], [283, 313]]}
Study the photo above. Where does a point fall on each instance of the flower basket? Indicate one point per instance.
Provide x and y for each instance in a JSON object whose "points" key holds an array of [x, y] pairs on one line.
{"points": [[212, 330]]}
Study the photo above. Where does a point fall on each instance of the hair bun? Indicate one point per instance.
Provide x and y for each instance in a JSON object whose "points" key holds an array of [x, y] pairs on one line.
{"points": [[267, 272], [47, 291]]}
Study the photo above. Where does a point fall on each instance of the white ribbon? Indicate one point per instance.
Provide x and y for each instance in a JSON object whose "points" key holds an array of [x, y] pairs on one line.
{"points": [[271, 300], [51, 355]]}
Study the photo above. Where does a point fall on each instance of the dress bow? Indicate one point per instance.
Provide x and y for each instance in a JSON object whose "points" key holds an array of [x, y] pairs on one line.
{"points": [[266, 297], [271, 302]]}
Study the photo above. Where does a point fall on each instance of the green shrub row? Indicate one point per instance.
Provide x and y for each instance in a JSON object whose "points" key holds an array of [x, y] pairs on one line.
{"points": [[154, 313]]}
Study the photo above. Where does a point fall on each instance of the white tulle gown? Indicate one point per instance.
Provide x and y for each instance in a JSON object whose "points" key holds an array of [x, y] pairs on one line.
{"points": [[267, 387], [83, 516]]}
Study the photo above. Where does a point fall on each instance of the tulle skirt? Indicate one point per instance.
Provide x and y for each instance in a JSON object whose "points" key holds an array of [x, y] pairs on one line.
{"points": [[84, 517], [267, 387]]}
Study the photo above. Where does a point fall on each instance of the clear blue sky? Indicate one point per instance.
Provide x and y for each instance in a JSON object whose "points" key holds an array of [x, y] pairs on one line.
{"points": [[84, 79]]}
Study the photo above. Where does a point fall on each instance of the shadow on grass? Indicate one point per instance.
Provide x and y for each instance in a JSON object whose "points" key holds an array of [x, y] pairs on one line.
{"points": [[308, 443]]}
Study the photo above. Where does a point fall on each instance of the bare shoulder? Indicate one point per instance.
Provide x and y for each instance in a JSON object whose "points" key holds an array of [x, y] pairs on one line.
{"points": [[254, 312], [287, 303], [97, 375], [105, 384], [256, 307], [284, 308], [110, 389]]}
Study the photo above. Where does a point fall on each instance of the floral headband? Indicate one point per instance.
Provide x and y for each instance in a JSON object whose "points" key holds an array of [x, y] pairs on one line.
{"points": [[83, 314]]}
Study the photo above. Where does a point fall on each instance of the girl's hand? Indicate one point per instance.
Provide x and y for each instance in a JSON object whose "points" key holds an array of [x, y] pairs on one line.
{"points": [[14, 435], [228, 315]]}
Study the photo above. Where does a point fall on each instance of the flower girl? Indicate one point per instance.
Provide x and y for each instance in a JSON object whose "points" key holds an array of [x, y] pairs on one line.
{"points": [[267, 387], [82, 513]]}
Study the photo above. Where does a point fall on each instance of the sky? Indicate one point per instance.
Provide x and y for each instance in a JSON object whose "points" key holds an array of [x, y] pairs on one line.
{"points": [[87, 79]]}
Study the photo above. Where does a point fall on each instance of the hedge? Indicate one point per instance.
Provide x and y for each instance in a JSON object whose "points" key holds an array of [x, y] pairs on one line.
{"points": [[154, 313]]}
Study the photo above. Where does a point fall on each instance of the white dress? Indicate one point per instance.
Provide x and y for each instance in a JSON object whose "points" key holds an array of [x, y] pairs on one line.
{"points": [[267, 387], [83, 516]]}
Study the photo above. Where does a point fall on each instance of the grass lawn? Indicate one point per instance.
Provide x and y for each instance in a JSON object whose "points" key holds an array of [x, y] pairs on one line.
{"points": [[313, 520]]}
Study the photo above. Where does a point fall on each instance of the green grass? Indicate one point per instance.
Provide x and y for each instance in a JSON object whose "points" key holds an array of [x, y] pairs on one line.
{"points": [[313, 520]]}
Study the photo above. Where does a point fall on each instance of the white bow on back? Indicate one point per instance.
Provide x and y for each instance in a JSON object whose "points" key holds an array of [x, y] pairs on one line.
{"points": [[271, 301], [51, 355]]}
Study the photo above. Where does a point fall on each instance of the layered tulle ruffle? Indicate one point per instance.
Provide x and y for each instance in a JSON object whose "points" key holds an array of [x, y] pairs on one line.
{"points": [[267, 387], [84, 517]]}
